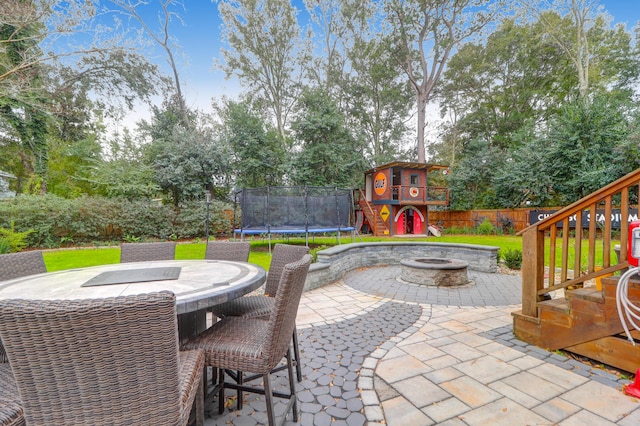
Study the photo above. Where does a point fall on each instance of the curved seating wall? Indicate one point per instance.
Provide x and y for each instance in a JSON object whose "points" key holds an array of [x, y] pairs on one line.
{"points": [[336, 261]]}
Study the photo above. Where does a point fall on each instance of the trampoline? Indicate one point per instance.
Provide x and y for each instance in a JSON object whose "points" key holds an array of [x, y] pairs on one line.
{"points": [[295, 210]]}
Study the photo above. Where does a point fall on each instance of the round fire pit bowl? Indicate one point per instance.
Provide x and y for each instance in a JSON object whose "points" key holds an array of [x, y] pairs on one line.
{"points": [[434, 271]]}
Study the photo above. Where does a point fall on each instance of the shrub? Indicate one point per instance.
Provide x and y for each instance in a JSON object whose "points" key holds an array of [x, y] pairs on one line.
{"points": [[51, 220], [5, 247], [455, 230], [314, 251], [512, 258], [486, 227], [11, 240]]}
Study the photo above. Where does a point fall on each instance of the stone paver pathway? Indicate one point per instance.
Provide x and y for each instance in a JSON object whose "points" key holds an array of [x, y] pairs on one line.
{"points": [[379, 351]]}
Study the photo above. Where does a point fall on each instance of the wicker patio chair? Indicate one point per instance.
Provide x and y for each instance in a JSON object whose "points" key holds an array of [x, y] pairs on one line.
{"points": [[16, 265], [257, 345], [236, 251], [261, 306], [111, 361], [141, 252], [11, 413]]}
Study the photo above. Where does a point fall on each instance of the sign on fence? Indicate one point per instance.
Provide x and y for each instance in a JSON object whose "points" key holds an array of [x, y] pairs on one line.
{"points": [[616, 217]]}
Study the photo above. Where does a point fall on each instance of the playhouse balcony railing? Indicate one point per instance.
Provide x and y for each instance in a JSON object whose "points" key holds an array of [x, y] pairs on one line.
{"points": [[432, 195], [549, 242]]}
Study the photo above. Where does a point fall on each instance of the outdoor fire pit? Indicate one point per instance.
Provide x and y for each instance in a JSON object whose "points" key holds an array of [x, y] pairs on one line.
{"points": [[433, 271]]}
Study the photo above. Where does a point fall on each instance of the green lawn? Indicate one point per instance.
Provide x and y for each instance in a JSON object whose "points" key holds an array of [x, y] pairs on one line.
{"points": [[75, 258], [57, 260]]}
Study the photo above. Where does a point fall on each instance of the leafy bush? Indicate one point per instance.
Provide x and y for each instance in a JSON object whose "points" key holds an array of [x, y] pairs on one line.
{"points": [[456, 230], [11, 240], [314, 251], [512, 258], [51, 220], [5, 247], [486, 227]]}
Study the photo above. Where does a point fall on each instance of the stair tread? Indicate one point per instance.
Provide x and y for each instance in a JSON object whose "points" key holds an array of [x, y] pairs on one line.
{"points": [[588, 293], [558, 304]]}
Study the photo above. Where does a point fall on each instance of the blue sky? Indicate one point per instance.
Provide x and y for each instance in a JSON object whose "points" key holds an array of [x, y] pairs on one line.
{"points": [[199, 38]]}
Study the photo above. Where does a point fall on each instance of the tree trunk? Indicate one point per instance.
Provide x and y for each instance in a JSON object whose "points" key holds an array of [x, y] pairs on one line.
{"points": [[422, 110]]}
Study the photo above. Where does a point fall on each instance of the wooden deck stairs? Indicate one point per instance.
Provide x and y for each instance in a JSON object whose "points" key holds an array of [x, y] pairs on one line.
{"points": [[585, 321]]}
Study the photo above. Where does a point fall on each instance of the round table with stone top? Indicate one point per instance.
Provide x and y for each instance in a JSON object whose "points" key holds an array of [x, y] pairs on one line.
{"points": [[197, 284]]}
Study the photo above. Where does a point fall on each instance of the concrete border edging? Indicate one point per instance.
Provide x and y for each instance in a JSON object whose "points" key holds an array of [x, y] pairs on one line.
{"points": [[336, 261]]}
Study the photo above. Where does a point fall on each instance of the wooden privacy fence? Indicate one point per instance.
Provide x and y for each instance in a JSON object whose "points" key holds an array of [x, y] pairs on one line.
{"points": [[506, 219], [519, 219]]}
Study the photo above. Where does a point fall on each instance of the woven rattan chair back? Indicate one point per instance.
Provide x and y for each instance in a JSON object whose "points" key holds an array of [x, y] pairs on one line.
{"points": [[15, 265], [111, 361], [142, 252], [11, 413], [282, 321], [283, 254], [233, 251]]}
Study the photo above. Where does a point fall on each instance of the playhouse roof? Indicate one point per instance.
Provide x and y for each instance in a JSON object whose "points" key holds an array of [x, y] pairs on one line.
{"points": [[409, 165]]}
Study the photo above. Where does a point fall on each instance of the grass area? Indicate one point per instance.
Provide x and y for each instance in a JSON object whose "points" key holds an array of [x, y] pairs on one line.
{"points": [[57, 260], [76, 258]]}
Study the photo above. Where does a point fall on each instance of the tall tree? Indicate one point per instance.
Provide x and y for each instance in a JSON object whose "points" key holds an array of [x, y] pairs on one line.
{"points": [[23, 96], [333, 24], [586, 146], [258, 156], [330, 155], [124, 171], [161, 36], [348, 59], [42, 55], [495, 88], [582, 31], [378, 101], [262, 39], [574, 44], [190, 162], [512, 89], [423, 35]]}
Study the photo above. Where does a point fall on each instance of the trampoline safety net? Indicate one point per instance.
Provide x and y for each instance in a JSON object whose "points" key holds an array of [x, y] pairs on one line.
{"points": [[295, 209]]}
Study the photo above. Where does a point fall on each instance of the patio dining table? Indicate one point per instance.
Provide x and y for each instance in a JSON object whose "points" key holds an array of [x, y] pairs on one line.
{"points": [[197, 284]]}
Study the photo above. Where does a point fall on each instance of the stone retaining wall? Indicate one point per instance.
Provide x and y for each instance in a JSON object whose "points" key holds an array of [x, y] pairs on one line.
{"points": [[336, 261]]}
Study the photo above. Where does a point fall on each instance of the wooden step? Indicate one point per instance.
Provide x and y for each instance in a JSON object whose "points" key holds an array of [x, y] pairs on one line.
{"points": [[590, 304], [570, 322], [587, 293], [526, 328], [555, 311], [609, 286], [616, 351]]}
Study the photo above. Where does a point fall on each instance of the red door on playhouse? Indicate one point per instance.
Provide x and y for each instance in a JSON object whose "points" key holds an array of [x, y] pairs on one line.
{"points": [[409, 222], [417, 224], [400, 224]]}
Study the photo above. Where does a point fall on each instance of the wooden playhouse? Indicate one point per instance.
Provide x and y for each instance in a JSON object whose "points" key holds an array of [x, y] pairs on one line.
{"points": [[397, 196]]}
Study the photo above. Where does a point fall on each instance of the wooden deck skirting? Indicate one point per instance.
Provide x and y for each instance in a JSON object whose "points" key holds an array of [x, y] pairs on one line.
{"points": [[336, 261]]}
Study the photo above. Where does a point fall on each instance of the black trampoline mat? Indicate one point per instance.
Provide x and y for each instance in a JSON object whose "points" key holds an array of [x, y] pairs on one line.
{"points": [[131, 276]]}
